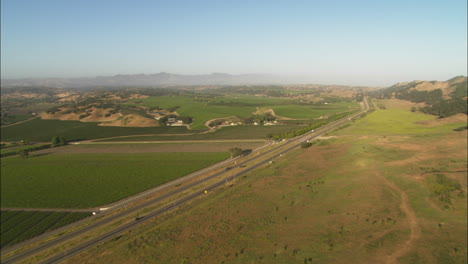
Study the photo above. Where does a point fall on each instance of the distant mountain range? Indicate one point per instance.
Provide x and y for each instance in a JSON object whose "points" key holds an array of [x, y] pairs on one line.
{"points": [[158, 79]]}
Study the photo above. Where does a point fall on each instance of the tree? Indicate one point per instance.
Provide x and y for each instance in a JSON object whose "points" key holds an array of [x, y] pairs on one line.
{"points": [[58, 141], [235, 152], [55, 141], [270, 136], [62, 141], [24, 153]]}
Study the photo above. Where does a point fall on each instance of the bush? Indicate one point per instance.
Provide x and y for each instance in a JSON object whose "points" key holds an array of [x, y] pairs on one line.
{"points": [[461, 128], [24, 153], [236, 152]]}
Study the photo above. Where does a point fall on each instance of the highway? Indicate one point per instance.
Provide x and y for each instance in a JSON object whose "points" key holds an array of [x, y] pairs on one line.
{"points": [[252, 162]]}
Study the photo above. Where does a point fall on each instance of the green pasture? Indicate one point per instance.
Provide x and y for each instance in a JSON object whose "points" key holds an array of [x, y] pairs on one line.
{"points": [[204, 109], [311, 111], [39, 130], [18, 226], [395, 122], [89, 180]]}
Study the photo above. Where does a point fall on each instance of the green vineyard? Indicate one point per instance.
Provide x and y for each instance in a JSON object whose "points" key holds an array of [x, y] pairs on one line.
{"points": [[18, 226]]}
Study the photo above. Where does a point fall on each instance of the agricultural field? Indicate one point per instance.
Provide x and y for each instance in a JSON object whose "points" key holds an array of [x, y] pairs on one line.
{"points": [[44, 130], [15, 118], [318, 205], [230, 132], [312, 111], [18, 226], [151, 147], [74, 180], [204, 109], [239, 132], [38, 130]]}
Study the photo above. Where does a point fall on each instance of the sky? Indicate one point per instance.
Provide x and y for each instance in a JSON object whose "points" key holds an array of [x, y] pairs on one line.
{"points": [[373, 42]]}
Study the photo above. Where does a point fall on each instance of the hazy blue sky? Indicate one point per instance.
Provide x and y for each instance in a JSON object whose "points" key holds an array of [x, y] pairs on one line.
{"points": [[331, 41]]}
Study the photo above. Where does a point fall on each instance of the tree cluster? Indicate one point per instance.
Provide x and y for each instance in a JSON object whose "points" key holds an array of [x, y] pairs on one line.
{"points": [[58, 141], [235, 152], [445, 108], [165, 119], [429, 97]]}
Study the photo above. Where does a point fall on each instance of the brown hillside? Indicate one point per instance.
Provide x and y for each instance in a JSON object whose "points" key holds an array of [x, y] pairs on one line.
{"points": [[447, 87], [132, 120], [98, 115], [458, 118]]}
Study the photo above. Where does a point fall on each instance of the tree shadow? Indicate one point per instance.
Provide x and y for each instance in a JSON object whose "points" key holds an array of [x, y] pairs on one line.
{"points": [[39, 155]]}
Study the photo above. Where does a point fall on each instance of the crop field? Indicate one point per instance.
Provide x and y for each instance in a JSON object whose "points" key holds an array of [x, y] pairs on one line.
{"points": [[318, 205], [167, 146], [313, 111], [231, 132], [88, 180], [17, 226], [204, 109], [19, 118], [38, 130]]}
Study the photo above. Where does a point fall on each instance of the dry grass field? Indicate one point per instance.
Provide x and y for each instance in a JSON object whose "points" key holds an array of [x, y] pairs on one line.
{"points": [[359, 197]]}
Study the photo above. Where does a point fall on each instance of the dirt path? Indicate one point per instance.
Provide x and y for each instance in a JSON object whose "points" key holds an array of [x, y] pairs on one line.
{"points": [[413, 225]]}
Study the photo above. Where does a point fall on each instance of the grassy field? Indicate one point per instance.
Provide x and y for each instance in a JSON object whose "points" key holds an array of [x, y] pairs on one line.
{"points": [[204, 109], [166, 146], [313, 111], [89, 180], [397, 122], [17, 226], [360, 197], [38, 130]]}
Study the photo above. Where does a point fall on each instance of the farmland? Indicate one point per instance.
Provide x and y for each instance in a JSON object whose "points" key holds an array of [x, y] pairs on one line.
{"points": [[39, 130], [311, 111], [17, 226], [318, 205], [44, 130], [204, 109], [15, 118], [89, 180], [230, 132], [156, 146]]}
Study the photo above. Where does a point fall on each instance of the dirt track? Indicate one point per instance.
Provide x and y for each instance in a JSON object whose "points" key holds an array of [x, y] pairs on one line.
{"points": [[413, 225]]}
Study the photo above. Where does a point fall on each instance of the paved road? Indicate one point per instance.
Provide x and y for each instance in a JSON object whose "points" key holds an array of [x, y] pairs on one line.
{"points": [[247, 165]]}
